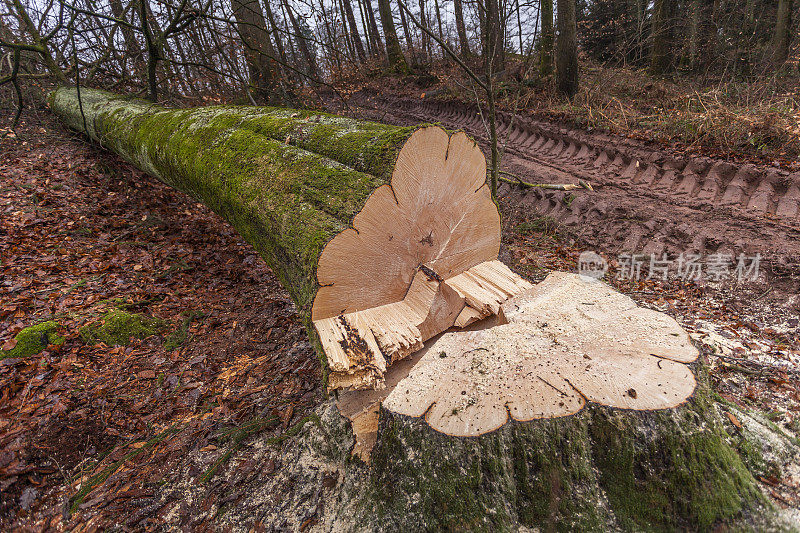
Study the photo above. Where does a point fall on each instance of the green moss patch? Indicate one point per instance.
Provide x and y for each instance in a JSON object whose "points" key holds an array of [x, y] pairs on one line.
{"points": [[34, 339], [118, 327]]}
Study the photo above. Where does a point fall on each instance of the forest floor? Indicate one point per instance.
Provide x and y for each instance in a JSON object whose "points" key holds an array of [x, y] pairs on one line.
{"points": [[160, 429]]}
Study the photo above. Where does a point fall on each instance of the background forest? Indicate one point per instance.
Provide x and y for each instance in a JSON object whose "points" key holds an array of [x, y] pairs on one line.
{"points": [[724, 57]]}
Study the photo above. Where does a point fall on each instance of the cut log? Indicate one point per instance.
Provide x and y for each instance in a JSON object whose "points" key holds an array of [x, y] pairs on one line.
{"points": [[381, 248], [560, 406]]}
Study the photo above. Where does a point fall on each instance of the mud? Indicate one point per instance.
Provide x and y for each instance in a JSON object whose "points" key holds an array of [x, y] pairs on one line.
{"points": [[645, 201]]}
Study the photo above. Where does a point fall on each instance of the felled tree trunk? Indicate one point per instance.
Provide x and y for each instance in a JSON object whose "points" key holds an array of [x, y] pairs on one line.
{"points": [[562, 406]]}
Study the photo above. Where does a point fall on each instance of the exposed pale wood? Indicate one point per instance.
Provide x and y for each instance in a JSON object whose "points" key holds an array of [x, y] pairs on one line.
{"points": [[467, 316], [486, 286], [420, 250], [437, 212], [399, 329], [567, 340], [365, 428]]}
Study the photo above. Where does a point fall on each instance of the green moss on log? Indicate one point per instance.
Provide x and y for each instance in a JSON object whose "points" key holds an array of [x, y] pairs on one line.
{"points": [[33, 340], [287, 180], [118, 327]]}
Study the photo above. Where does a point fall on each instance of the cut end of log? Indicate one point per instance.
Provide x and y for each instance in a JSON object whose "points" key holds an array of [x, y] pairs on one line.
{"points": [[566, 341], [420, 258]]}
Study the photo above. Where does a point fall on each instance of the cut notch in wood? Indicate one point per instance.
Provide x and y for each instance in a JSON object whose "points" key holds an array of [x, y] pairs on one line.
{"points": [[421, 257]]}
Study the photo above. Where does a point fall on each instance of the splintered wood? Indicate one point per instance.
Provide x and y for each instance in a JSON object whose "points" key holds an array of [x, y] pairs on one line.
{"points": [[420, 258], [564, 342]]}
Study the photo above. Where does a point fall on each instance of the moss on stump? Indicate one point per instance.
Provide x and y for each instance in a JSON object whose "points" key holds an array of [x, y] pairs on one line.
{"points": [[33, 340], [602, 469], [118, 327]]}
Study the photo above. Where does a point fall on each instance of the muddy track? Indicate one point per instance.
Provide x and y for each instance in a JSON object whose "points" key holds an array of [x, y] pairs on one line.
{"points": [[645, 200]]}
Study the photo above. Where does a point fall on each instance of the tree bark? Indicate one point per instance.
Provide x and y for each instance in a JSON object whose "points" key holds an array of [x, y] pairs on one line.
{"points": [[393, 52], [660, 58], [494, 48], [351, 20], [300, 39], [782, 33], [567, 49], [412, 52], [546, 40], [275, 33], [132, 48], [634, 21], [368, 36], [44, 47], [600, 469], [461, 29], [425, 39], [373, 25], [258, 50]]}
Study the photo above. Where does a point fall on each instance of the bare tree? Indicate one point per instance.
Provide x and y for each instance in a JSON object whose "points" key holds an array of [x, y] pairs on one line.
{"points": [[258, 50], [782, 33], [567, 49], [546, 41], [460, 28], [660, 58], [393, 52]]}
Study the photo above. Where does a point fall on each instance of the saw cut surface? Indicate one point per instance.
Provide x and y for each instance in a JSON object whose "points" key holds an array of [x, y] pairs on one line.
{"points": [[421, 257], [568, 340], [438, 212]]}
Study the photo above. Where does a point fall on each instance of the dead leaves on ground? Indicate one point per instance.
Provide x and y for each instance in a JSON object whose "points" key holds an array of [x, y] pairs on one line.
{"points": [[82, 233]]}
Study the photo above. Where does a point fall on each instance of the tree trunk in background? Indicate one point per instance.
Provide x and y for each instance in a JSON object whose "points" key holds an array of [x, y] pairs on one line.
{"points": [[258, 51], [326, 23], [567, 49], [346, 34], [370, 39], [409, 40], [275, 35], [354, 35], [374, 26], [438, 19], [700, 34], [33, 31], [132, 48], [425, 38], [393, 52], [300, 38], [461, 29], [494, 44], [661, 41], [782, 33], [634, 22], [546, 40]]}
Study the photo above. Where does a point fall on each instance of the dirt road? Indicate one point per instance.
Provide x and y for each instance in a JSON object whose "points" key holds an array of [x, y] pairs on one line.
{"points": [[645, 200]]}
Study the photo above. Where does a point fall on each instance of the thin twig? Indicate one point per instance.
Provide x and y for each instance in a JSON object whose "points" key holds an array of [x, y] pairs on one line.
{"points": [[554, 186]]}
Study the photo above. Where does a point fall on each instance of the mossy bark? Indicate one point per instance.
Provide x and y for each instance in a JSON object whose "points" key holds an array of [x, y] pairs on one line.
{"points": [[287, 180]]}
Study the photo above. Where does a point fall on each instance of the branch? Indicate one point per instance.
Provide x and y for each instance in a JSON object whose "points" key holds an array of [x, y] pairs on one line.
{"points": [[554, 186]]}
